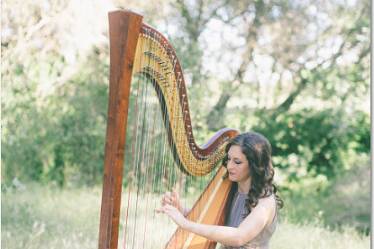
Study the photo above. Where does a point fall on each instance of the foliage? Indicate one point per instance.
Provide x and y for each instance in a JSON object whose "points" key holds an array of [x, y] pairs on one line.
{"points": [[62, 138], [298, 72], [348, 199], [298, 75], [51, 105], [342, 202], [316, 141]]}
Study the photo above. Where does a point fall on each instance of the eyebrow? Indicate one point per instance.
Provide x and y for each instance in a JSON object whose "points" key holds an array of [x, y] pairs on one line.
{"points": [[234, 157]]}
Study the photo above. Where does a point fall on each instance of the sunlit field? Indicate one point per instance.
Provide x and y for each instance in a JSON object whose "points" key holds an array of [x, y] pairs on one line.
{"points": [[36, 217]]}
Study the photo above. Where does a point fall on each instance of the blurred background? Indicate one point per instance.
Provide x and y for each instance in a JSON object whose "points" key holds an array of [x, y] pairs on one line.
{"points": [[296, 71]]}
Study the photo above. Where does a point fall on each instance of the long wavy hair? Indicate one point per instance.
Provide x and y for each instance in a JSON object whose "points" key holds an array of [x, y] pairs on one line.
{"points": [[257, 150]]}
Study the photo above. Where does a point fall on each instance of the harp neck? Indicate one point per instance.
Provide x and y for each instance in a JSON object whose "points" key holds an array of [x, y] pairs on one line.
{"points": [[156, 58]]}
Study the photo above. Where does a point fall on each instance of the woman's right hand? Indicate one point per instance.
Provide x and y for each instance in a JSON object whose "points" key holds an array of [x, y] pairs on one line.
{"points": [[172, 198]]}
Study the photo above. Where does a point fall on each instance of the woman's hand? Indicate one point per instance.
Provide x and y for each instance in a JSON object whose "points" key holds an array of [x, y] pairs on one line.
{"points": [[174, 214], [172, 199]]}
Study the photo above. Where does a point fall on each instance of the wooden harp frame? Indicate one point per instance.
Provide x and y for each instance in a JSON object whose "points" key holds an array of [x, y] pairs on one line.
{"points": [[125, 28]]}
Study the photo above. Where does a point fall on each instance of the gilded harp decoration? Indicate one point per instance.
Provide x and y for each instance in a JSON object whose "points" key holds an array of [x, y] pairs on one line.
{"points": [[145, 73]]}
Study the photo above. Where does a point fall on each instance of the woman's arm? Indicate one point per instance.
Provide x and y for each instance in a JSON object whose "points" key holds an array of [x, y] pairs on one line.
{"points": [[231, 236]]}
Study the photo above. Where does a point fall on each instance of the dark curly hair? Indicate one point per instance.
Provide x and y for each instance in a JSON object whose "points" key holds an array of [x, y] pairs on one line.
{"points": [[257, 150]]}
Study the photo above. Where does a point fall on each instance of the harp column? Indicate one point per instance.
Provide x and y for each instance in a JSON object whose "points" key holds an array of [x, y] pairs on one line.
{"points": [[124, 29]]}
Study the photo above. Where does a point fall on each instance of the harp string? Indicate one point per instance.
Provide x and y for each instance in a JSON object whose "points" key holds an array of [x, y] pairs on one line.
{"points": [[154, 183], [143, 150], [134, 155], [142, 158], [141, 167], [148, 171], [150, 174], [152, 146], [139, 142], [175, 124], [128, 167], [150, 167], [145, 158]]}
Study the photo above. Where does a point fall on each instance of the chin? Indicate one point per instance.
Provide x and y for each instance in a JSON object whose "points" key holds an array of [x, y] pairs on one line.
{"points": [[233, 179]]}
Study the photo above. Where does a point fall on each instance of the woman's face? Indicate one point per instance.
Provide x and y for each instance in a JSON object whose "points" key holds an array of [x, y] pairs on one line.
{"points": [[237, 165]]}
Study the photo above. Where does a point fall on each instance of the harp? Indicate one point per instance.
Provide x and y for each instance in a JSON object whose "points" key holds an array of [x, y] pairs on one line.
{"points": [[142, 61]]}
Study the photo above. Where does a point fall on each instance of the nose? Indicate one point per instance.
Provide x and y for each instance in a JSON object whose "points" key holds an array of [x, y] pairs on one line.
{"points": [[229, 165]]}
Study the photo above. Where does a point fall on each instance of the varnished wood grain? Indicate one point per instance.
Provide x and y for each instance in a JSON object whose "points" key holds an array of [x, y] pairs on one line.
{"points": [[124, 28]]}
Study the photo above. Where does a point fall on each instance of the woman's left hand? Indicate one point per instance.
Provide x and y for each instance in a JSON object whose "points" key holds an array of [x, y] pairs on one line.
{"points": [[174, 214]]}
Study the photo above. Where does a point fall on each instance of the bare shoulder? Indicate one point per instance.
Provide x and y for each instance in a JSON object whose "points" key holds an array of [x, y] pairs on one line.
{"points": [[262, 214], [268, 201], [268, 205]]}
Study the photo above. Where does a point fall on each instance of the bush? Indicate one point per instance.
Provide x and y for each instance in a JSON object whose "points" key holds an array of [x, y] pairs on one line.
{"points": [[315, 142]]}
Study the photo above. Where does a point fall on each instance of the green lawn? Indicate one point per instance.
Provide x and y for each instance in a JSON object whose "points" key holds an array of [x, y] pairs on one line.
{"points": [[39, 218]]}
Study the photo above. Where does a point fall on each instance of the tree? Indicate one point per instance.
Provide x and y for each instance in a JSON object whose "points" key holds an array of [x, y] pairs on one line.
{"points": [[289, 58], [292, 43], [259, 62]]}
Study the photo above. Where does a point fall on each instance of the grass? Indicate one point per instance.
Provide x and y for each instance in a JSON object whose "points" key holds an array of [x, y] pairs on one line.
{"points": [[41, 217], [343, 202], [315, 236]]}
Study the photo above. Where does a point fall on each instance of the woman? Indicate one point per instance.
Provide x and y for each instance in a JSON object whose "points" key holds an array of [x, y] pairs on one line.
{"points": [[253, 203]]}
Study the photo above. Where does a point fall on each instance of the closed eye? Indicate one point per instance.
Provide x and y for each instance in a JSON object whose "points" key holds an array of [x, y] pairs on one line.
{"points": [[235, 161]]}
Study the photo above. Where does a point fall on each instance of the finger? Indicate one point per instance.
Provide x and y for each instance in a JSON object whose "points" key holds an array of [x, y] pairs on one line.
{"points": [[159, 210], [165, 203], [175, 193], [168, 200], [164, 198], [177, 187], [168, 207], [167, 196], [176, 200]]}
